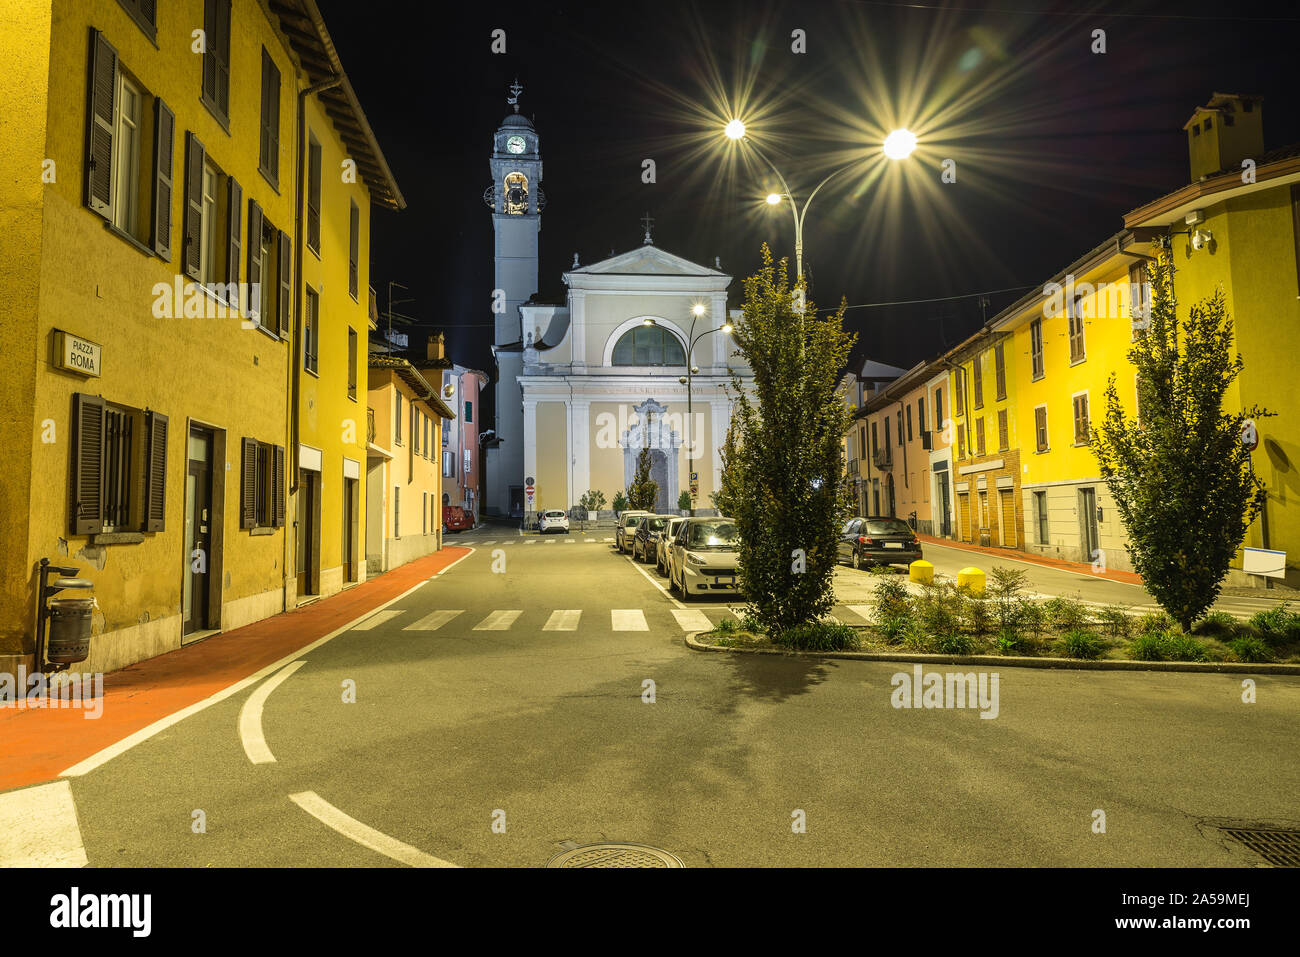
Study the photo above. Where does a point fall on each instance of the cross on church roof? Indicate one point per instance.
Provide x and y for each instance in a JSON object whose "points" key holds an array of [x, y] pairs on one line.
{"points": [[516, 89], [648, 221]]}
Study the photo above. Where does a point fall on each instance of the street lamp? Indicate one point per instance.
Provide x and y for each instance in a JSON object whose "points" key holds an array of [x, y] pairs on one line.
{"points": [[697, 311]]}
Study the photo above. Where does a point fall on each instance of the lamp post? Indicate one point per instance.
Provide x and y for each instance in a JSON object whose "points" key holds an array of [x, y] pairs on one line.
{"points": [[691, 338]]}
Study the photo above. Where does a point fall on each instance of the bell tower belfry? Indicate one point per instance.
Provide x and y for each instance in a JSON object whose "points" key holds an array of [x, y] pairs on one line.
{"points": [[516, 200]]}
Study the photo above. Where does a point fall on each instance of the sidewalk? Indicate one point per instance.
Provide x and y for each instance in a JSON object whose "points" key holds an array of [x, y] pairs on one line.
{"points": [[1013, 554], [38, 744]]}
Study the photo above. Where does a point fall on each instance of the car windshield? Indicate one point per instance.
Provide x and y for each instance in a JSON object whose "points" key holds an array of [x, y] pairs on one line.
{"points": [[553, 515], [888, 526], [655, 524], [632, 521], [711, 535]]}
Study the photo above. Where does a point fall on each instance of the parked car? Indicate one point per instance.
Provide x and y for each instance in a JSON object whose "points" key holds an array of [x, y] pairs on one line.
{"points": [[645, 543], [665, 544], [553, 520], [456, 518], [703, 558], [878, 540], [626, 528]]}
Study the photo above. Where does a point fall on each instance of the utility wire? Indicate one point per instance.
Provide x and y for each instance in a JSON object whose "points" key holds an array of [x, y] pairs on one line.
{"points": [[912, 302]]}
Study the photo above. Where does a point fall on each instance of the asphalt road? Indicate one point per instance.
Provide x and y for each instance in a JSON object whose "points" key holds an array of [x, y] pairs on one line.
{"points": [[485, 717]]}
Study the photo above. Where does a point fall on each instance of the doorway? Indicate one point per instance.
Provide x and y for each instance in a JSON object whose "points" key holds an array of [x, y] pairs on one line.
{"points": [[199, 536], [308, 532], [350, 530], [1008, 510], [945, 504], [1088, 508]]}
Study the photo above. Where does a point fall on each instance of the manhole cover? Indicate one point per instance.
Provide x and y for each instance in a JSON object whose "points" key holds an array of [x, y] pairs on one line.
{"points": [[1279, 847], [614, 855]]}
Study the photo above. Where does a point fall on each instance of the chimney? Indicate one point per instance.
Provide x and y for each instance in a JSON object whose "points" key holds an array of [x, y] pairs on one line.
{"points": [[435, 346], [1227, 130]]}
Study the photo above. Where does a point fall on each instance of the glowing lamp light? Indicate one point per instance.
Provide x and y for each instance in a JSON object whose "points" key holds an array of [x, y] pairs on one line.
{"points": [[647, 322], [773, 198], [698, 309], [899, 144], [735, 130], [726, 328]]}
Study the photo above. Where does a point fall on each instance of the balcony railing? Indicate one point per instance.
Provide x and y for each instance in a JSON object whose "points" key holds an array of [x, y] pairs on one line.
{"points": [[852, 468], [884, 458]]}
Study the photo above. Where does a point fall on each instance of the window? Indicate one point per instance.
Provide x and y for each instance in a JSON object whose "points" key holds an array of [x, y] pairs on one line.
{"points": [[126, 162], [1000, 370], [397, 511], [961, 443], [648, 346], [875, 445], [887, 434], [428, 437], [1082, 433], [424, 515], [268, 153], [1036, 347], [415, 428], [920, 414], [977, 381], [979, 435], [261, 491], [1040, 428], [354, 247], [1076, 330], [959, 387], [1139, 296], [313, 195], [144, 13], [1040, 509], [938, 408], [310, 332], [397, 421], [352, 364], [449, 464], [268, 272], [862, 442], [900, 427], [216, 58], [119, 468], [208, 225], [469, 411], [1002, 430]]}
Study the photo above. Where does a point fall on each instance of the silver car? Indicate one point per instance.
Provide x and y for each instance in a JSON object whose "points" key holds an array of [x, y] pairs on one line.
{"points": [[703, 558], [626, 528], [665, 545]]}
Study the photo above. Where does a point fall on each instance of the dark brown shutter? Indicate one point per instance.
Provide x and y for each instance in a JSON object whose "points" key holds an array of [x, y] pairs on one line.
{"points": [[313, 195], [234, 220], [87, 464], [209, 50], [155, 473], [164, 136], [99, 133], [354, 248], [248, 484], [194, 156], [285, 274], [256, 297], [223, 56], [277, 487], [148, 10]]}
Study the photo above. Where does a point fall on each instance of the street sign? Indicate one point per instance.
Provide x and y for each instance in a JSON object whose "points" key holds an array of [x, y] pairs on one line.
{"points": [[530, 489], [695, 477], [530, 480], [1249, 435]]}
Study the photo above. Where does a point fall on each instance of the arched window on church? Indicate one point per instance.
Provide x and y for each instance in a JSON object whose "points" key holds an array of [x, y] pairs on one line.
{"points": [[648, 346]]}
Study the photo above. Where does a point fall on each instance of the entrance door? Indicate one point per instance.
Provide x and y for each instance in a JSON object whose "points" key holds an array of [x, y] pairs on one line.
{"points": [[945, 502], [349, 530], [516, 500], [1088, 506], [963, 507], [1008, 509], [308, 530], [198, 531]]}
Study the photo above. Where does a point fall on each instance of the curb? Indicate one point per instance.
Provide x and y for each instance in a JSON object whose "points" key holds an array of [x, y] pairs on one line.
{"points": [[1016, 661]]}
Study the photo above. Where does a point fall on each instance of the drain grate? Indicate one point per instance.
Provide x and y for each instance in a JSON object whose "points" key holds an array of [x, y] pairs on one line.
{"points": [[614, 855], [1279, 847]]}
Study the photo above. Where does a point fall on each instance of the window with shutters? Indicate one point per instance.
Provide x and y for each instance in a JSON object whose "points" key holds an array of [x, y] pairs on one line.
{"points": [[1000, 370], [352, 364], [1040, 428], [959, 392], [313, 195], [268, 273], [1036, 347], [1077, 352], [119, 468], [977, 381], [961, 443], [397, 420], [208, 245], [126, 161], [1002, 430], [310, 330], [909, 423], [1139, 298], [354, 248], [1082, 431], [216, 59], [268, 153], [979, 435], [261, 493], [145, 15], [415, 428]]}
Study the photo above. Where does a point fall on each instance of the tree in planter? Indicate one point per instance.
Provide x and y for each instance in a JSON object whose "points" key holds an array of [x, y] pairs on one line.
{"points": [[643, 490], [1179, 474], [620, 502], [592, 500], [684, 502], [785, 483]]}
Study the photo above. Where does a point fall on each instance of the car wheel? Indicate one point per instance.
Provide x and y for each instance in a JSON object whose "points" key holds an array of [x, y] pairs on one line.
{"points": [[857, 560]]}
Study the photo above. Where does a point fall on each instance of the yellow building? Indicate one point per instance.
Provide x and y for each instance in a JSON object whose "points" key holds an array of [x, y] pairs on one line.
{"points": [[161, 301]]}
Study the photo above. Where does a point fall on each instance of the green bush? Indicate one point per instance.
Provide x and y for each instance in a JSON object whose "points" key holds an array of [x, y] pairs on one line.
{"points": [[939, 609], [1156, 621], [1276, 626], [976, 615], [916, 639], [684, 502], [1011, 643], [953, 644], [1249, 648], [1066, 614], [1004, 591], [1217, 624], [1078, 643], [892, 600], [1032, 616], [749, 622], [1167, 646], [1117, 621], [893, 629], [820, 636], [728, 626]]}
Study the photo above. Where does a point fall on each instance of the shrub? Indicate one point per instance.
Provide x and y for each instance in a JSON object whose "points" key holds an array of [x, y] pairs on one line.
{"points": [[1011, 643], [1004, 591], [916, 639], [1118, 622], [620, 502], [892, 600], [749, 622], [1033, 617], [893, 629], [1156, 621], [1066, 614], [953, 644], [820, 636], [1147, 647], [939, 609], [1078, 643], [1167, 646], [684, 502], [1249, 648], [1277, 625], [1218, 624], [977, 615], [728, 626]]}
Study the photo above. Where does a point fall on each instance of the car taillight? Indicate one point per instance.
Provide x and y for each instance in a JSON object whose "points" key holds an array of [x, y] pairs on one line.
{"points": [[865, 541]]}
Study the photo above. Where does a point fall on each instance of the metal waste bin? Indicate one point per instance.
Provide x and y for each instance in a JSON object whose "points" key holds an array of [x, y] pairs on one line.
{"points": [[70, 621]]}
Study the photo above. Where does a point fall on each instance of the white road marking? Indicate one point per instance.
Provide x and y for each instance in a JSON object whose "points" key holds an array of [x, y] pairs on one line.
{"points": [[692, 620], [610, 539], [530, 541], [628, 619], [435, 621], [378, 618], [498, 621], [565, 620], [366, 836], [866, 612], [38, 827], [250, 716], [107, 754], [667, 593]]}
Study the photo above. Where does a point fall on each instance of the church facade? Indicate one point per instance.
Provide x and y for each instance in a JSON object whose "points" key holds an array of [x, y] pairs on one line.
{"points": [[637, 357]]}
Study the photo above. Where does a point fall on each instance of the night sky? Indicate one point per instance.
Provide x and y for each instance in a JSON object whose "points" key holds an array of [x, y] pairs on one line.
{"points": [[1053, 143]]}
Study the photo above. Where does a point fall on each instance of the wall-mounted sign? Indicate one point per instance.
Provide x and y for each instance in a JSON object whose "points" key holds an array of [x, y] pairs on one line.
{"points": [[1263, 561], [76, 354]]}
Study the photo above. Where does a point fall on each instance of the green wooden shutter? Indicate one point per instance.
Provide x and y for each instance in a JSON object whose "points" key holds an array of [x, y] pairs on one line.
{"points": [[248, 484], [277, 487], [285, 276], [256, 299], [234, 220], [99, 132], [163, 156], [87, 464], [155, 473], [194, 157]]}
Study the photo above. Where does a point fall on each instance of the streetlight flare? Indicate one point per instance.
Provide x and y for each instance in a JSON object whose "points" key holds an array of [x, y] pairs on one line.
{"points": [[773, 198], [735, 129], [698, 309], [726, 328], [899, 144]]}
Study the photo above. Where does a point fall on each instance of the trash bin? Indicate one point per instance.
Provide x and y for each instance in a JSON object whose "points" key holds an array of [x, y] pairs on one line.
{"points": [[69, 630]]}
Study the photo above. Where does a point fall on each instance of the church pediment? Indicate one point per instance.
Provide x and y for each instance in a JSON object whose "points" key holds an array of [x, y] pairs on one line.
{"points": [[645, 261]]}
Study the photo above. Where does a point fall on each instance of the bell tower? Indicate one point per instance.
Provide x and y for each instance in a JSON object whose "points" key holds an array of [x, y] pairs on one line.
{"points": [[516, 200]]}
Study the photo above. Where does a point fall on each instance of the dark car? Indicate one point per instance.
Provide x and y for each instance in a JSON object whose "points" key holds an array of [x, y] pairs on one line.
{"points": [[878, 540], [455, 518], [645, 543]]}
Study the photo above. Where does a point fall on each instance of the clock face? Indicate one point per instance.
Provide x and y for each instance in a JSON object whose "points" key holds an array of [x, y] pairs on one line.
{"points": [[516, 144]]}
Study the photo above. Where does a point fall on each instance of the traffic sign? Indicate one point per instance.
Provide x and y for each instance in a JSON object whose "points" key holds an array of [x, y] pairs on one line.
{"points": [[695, 476]]}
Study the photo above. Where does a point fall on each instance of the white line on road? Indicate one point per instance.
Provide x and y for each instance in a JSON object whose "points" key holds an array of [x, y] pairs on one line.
{"points": [[692, 620], [564, 620], [378, 618], [435, 621], [667, 593], [366, 836], [250, 716], [38, 827], [530, 541], [628, 619], [498, 621]]}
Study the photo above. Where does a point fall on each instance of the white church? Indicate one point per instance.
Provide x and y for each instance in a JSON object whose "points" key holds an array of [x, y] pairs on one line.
{"points": [[583, 387]]}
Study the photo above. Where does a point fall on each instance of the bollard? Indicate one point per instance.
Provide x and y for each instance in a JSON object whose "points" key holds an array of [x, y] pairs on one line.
{"points": [[921, 572], [971, 581]]}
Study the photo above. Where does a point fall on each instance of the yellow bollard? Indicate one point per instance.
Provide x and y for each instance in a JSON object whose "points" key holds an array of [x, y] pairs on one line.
{"points": [[921, 571], [971, 581]]}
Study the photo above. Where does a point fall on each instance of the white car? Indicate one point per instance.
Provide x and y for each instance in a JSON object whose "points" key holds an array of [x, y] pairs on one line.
{"points": [[553, 521], [626, 528], [703, 558], [664, 546]]}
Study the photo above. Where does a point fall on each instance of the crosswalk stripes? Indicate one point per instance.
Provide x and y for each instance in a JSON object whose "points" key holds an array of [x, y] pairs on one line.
{"points": [[378, 618], [435, 621], [628, 619], [498, 621], [692, 620], [563, 620]]}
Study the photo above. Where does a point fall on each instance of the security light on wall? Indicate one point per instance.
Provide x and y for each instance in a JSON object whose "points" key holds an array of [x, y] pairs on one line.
{"points": [[1201, 238]]}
